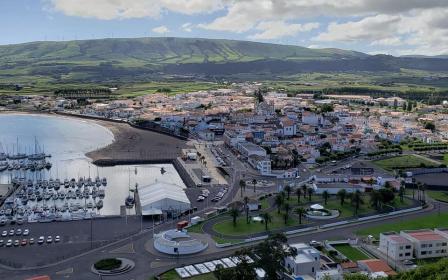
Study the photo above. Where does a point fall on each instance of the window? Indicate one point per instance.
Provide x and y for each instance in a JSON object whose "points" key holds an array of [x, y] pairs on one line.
{"points": [[408, 246], [429, 245], [401, 255], [423, 252], [423, 246], [407, 254], [401, 247], [444, 244]]}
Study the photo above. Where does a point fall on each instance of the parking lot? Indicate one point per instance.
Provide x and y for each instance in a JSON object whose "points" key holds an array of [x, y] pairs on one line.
{"points": [[75, 237]]}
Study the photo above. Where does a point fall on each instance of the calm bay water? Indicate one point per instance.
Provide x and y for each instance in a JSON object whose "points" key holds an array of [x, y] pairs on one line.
{"points": [[68, 140]]}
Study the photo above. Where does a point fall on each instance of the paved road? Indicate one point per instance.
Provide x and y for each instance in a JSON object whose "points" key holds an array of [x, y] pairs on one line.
{"points": [[150, 264]]}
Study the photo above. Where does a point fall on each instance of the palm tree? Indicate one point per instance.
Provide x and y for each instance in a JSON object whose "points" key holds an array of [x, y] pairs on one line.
{"points": [[242, 186], [423, 188], [325, 196], [402, 192], [287, 209], [279, 199], [254, 182], [234, 213], [301, 212], [375, 199], [246, 202], [304, 189], [266, 219], [357, 200], [310, 193], [288, 190], [342, 194], [298, 193]]}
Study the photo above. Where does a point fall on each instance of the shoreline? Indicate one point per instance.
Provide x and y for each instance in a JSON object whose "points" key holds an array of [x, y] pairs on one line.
{"points": [[130, 144]]}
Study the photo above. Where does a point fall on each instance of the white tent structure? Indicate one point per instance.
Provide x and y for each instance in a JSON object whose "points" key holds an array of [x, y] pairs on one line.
{"points": [[162, 197]]}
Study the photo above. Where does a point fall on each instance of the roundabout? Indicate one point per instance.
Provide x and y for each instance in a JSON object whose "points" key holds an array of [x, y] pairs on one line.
{"points": [[112, 266]]}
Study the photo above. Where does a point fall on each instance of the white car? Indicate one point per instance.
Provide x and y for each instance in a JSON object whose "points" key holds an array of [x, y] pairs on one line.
{"points": [[31, 241], [41, 240], [11, 232], [26, 232], [9, 243], [200, 198], [57, 238], [4, 233], [49, 239], [18, 231]]}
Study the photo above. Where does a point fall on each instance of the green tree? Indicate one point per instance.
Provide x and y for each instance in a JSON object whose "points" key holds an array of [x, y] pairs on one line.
{"points": [[299, 194], [431, 126], [357, 201], [234, 213], [386, 195], [278, 201], [242, 186], [300, 212], [310, 193], [342, 193], [325, 196], [246, 207], [272, 253], [267, 218], [375, 199], [288, 190], [287, 209], [254, 183]]}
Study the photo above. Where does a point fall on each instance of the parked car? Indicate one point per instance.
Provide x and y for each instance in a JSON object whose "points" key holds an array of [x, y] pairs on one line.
{"points": [[4, 233], [31, 241], [41, 240], [18, 231], [9, 243], [200, 198], [2, 243], [49, 239], [26, 232], [24, 242], [57, 238], [12, 232], [16, 243]]}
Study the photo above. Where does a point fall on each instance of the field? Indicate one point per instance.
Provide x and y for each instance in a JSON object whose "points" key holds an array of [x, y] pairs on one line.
{"points": [[430, 221], [171, 88], [438, 195], [350, 252], [404, 162]]}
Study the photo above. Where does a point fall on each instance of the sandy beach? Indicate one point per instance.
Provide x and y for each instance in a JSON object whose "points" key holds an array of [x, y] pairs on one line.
{"points": [[130, 144]]}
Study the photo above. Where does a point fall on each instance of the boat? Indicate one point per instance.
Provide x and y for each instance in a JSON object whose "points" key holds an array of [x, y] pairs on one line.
{"points": [[99, 204], [101, 193], [104, 181], [89, 205], [129, 201]]}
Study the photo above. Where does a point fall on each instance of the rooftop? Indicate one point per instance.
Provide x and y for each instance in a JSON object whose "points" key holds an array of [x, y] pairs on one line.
{"points": [[425, 235], [375, 265]]}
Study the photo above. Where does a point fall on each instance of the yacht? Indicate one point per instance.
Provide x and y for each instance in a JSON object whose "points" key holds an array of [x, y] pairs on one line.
{"points": [[99, 204]]}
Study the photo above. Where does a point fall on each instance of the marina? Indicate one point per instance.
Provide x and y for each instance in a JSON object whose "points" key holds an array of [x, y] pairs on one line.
{"points": [[67, 141]]}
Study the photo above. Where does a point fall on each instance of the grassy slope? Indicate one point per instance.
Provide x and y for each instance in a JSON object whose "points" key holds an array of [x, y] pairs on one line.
{"points": [[406, 161], [430, 221]]}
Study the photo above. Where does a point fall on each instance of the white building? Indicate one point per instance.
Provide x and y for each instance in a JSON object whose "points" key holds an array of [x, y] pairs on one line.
{"points": [[262, 164], [427, 243], [311, 118], [396, 247], [333, 274], [247, 149], [162, 197], [306, 263]]}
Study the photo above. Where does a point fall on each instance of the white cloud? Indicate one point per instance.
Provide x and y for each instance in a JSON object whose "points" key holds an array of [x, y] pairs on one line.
{"points": [[278, 29], [161, 29], [124, 9], [379, 27], [187, 27]]}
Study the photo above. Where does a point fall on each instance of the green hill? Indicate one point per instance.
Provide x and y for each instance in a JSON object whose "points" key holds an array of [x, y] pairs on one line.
{"points": [[143, 59]]}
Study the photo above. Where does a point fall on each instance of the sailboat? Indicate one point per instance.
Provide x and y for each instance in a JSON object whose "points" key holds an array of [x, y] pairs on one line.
{"points": [[17, 155], [37, 155], [129, 201]]}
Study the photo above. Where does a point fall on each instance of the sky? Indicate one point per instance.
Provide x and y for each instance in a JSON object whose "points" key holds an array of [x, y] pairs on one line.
{"points": [[397, 27]]}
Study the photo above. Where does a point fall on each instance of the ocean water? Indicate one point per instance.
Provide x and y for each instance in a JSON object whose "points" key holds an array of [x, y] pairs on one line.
{"points": [[68, 140]]}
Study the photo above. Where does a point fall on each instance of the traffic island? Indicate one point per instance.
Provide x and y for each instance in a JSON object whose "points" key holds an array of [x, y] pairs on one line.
{"points": [[112, 266]]}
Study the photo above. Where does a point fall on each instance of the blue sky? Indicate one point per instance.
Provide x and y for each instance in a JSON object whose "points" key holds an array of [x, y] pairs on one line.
{"points": [[398, 27]]}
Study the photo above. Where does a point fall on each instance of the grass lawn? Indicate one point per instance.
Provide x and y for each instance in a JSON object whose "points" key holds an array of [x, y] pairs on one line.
{"points": [[438, 195], [430, 221], [197, 228], [350, 252], [172, 275], [220, 240], [226, 227], [445, 159], [402, 162]]}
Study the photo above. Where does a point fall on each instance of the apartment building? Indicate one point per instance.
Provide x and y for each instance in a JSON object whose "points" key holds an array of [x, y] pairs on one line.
{"points": [[305, 263], [427, 243], [396, 246]]}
